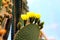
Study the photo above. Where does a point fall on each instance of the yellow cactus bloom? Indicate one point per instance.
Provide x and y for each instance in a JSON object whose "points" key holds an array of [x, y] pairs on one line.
{"points": [[31, 14], [24, 17], [37, 16]]}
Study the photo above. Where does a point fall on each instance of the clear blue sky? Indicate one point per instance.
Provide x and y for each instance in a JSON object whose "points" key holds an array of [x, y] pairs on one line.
{"points": [[50, 11]]}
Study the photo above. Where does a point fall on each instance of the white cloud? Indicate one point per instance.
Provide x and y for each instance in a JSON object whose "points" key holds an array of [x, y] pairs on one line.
{"points": [[53, 26], [51, 38]]}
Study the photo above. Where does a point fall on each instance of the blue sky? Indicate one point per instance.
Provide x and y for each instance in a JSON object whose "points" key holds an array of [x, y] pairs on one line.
{"points": [[50, 11]]}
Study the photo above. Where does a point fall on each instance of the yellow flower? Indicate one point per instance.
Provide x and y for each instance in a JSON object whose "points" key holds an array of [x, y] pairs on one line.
{"points": [[31, 14], [24, 17], [37, 16]]}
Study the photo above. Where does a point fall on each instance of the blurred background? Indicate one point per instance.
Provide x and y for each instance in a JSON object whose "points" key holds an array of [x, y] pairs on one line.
{"points": [[50, 14]]}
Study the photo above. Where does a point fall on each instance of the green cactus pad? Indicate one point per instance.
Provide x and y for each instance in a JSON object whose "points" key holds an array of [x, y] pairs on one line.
{"points": [[29, 32]]}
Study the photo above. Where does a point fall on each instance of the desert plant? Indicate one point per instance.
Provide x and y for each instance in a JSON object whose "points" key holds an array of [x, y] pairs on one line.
{"points": [[30, 31]]}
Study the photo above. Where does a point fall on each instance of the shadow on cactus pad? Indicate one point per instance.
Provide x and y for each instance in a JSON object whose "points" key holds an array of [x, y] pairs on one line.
{"points": [[29, 32]]}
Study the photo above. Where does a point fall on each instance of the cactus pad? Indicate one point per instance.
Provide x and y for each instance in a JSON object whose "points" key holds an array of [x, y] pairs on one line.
{"points": [[29, 32]]}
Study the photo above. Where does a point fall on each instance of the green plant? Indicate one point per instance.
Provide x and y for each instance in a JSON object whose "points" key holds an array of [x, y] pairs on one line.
{"points": [[30, 31]]}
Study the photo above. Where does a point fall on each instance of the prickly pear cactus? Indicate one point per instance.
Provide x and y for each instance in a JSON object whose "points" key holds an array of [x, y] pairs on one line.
{"points": [[31, 29], [29, 32]]}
